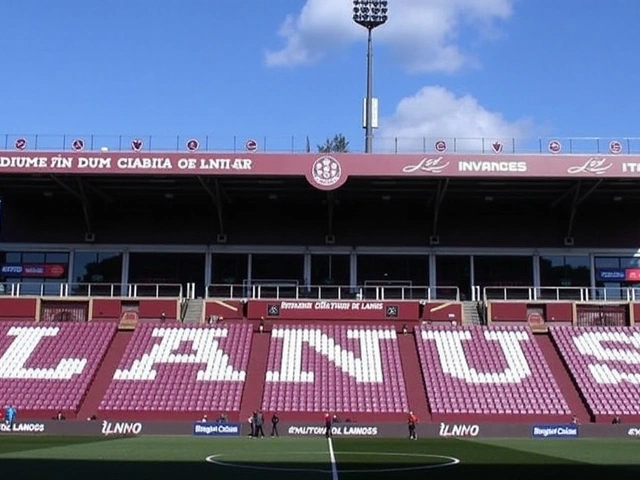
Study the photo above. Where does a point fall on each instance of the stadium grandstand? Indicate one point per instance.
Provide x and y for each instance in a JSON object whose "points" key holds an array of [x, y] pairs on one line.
{"points": [[170, 284]]}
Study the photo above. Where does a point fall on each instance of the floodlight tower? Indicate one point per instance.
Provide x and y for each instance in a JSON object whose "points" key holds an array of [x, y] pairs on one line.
{"points": [[369, 14]]}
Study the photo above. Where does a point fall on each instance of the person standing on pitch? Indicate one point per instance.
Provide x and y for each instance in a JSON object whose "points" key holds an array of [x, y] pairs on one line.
{"points": [[252, 427], [258, 421], [10, 416], [274, 425], [327, 425], [411, 423]]}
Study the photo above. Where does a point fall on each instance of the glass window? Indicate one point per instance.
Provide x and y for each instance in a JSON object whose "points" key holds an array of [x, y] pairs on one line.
{"points": [[560, 271], [607, 262], [453, 272], [33, 257], [229, 268], [630, 262], [503, 271], [97, 267], [408, 269], [330, 270], [57, 258], [286, 267], [166, 268], [13, 257]]}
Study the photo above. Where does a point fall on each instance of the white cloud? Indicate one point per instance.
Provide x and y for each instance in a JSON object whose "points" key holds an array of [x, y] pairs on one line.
{"points": [[435, 113], [422, 34]]}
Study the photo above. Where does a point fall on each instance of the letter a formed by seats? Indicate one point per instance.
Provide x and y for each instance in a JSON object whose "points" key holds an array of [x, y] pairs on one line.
{"points": [[206, 348]]}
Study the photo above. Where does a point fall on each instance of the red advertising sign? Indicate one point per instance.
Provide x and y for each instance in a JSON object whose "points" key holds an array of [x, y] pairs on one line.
{"points": [[333, 310], [326, 172], [632, 274]]}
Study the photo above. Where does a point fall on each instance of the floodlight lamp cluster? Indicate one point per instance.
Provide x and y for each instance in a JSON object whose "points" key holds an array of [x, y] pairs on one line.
{"points": [[370, 13]]}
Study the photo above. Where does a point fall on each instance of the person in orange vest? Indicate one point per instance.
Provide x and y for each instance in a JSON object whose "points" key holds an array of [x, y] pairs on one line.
{"points": [[411, 423]]}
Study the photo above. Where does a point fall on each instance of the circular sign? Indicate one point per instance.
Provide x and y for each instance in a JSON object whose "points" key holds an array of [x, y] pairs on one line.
{"points": [[21, 143], [251, 145], [56, 270], [136, 144], [326, 171], [77, 144], [440, 146], [193, 145], [555, 146], [615, 147]]}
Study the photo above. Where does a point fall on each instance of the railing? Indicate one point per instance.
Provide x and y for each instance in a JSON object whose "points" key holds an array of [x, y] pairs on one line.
{"points": [[574, 294], [303, 143], [331, 292], [59, 289]]}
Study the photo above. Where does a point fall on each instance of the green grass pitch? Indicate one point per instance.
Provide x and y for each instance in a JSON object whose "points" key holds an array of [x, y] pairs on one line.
{"points": [[183, 458]]}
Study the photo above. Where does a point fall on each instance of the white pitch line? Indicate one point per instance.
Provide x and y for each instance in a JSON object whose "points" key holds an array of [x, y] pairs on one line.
{"points": [[332, 457]]}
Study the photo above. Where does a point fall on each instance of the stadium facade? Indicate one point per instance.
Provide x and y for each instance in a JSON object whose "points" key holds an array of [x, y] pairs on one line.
{"points": [[285, 272]]}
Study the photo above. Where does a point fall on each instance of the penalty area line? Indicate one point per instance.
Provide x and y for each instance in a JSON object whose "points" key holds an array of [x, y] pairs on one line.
{"points": [[332, 458]]}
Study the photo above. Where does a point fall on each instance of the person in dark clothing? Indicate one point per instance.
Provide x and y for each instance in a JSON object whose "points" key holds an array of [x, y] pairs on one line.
{"points": [[327, 425], [411, 423], [252, 427], [616, 420], [274, 425], [258, 424]]}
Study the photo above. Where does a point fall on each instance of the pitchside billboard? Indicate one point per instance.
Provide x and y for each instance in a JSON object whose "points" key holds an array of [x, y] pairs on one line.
{"points": [[352, 430]]}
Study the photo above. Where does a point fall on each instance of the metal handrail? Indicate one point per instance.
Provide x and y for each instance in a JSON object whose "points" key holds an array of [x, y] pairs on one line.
{"points": [[574, 294], [303, 143], [290, 291], [62, 289]]}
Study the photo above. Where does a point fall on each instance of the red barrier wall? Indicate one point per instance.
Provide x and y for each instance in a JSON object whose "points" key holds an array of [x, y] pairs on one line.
{"points": [[154, 308], [333, 310], [442, 312], [508, 312], [227, 309], [106, 309], [636, 313], [150, 309], [18, 308], [559, 312]]}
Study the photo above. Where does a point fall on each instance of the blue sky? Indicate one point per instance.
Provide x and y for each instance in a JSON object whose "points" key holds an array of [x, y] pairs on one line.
{"points": [[229, 68]]}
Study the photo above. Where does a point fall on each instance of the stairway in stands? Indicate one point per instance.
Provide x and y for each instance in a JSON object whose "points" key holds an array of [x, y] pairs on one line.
{"points": [[104, 374], [562, 376], [256, 373], [413, 377], [471, 313], [194, 311]]}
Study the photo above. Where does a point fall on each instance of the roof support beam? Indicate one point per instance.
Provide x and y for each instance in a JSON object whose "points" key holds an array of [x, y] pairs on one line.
{"points": [[439, 197], [79, 194], [107, 198], [566, 194], [215, 196], [578, 199], [66, 187]]}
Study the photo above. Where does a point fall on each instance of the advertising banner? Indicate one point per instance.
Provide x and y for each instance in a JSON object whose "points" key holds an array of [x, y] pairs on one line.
{"points": [[33, 270], [610, 275], [343, 430], [216, 429], [555, 431], [325, 172], [333, 310], [352, 430]]}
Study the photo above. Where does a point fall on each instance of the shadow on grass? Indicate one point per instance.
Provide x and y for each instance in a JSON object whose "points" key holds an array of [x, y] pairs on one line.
{"points": [[98, 469]]}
